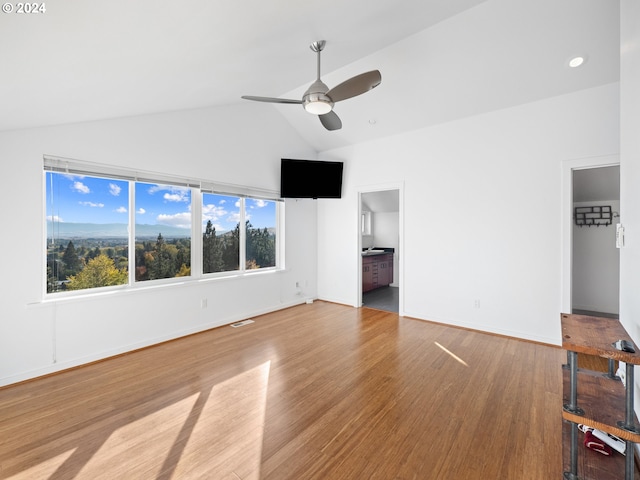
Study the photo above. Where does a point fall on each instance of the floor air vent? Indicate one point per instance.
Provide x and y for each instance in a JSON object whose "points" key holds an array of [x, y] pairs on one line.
{"points": [[241, 324]]}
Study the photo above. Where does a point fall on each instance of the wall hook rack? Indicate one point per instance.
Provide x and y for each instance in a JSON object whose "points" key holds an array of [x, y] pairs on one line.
{"points": [[595, 215]]}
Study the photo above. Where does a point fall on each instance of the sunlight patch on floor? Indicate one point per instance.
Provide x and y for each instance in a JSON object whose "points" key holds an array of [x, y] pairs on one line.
{"points": [[123, 454], [453, 355], [214, 433], [45, 469], [227, 440]]}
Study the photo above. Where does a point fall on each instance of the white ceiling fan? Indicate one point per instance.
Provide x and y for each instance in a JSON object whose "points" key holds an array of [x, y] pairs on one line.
{"points": [[319, 99]]}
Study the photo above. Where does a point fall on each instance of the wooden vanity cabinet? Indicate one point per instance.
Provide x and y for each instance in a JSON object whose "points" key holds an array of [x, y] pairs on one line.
{"points": [[377, 271]]}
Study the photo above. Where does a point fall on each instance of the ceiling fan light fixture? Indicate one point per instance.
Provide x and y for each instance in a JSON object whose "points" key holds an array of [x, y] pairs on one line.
{"points": [[318, 107], [315, 100]]}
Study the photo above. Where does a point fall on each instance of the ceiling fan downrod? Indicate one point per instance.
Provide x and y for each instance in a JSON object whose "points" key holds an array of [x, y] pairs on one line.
{"points": [[318, 47]]}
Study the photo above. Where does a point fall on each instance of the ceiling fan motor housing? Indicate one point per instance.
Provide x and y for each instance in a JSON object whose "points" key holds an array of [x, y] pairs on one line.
{"points": [[317, 93]]}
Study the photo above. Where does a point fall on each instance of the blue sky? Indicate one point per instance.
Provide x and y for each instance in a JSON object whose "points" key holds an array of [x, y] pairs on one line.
{"points": [[83, 199], [224, 212]]}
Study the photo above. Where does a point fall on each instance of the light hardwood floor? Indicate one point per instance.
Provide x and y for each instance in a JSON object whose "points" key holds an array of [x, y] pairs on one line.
{"points": [[318, 391]]}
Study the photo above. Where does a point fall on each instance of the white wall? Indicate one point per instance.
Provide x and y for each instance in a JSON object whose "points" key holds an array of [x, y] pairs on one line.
{"points": [[238, 145], [630, 165], [630, 169], [482, 215], [596, 264]]}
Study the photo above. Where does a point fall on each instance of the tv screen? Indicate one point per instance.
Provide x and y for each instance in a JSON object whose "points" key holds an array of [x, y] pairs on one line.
{"points": [[310, 179]]}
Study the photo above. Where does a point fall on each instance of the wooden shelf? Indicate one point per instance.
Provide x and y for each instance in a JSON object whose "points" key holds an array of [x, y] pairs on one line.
{"points": [[602, 400], [597, 400], [592, 465], [595, 335]]}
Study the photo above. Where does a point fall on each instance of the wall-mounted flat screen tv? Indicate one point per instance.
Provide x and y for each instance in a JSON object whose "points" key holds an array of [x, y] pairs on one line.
{"points": [[310, 179]]}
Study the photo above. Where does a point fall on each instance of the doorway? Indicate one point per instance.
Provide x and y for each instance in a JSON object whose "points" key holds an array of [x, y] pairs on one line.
{"points": [[595, 273], [590, 259], [380, 252]]}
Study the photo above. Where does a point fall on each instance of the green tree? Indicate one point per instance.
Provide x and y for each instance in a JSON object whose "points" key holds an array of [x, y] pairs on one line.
{"points": [[55, 269], [231, 250], [183, 256], [142, 272], [71, 260], [211, 250], [163, 260], [261, 248], [184, 271], [99, 272], [93, 253]]}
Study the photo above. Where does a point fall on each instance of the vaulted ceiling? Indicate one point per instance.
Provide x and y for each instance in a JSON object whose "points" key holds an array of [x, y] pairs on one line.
{"points": [[440, 60]]}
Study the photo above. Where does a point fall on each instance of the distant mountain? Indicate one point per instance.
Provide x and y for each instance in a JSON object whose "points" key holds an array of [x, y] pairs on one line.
{"points": [[112, 230], [167, 232]]}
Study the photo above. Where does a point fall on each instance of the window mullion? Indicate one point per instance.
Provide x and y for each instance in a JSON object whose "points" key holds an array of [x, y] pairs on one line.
{"points": [[132, 233], [280, 258], [243, 236], [196, 233]]}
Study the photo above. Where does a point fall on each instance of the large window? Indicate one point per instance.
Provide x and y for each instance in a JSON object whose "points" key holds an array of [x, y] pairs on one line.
{"points": [[226, 246], [163, 231], [108, 230], [87, 232], [260, 222], [221, 233]]}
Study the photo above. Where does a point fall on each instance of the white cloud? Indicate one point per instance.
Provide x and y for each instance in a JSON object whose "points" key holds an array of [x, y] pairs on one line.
{"points": [[114, 189], [235, 217], [54, 218], [182, 220], [121, 210], [81, 187], [260, 203], [212, 212], [141, 211], [175, 197], [173, 193], [92, 204]]}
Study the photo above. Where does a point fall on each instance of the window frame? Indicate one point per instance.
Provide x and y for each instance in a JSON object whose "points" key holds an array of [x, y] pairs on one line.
{"points": [[279, 257], [197, 187], [242, 254]]}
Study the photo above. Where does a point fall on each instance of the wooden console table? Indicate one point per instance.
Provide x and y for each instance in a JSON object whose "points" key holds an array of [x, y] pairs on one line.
{"points": [[597, 399]]}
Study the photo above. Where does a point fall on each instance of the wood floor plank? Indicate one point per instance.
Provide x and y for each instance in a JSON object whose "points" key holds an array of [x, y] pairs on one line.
{"points": [[320, 391]]}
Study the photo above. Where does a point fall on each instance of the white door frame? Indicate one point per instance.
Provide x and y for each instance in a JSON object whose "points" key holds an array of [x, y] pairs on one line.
{"points": [[400, 263], [568, 166]]}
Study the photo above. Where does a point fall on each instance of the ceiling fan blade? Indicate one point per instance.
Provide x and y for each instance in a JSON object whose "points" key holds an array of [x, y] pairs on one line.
{"points": [[355, 86], [271, 99], [331, 121]]}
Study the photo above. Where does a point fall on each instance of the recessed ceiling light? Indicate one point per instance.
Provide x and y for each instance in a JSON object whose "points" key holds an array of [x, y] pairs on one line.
{"points": [[577, 61]]}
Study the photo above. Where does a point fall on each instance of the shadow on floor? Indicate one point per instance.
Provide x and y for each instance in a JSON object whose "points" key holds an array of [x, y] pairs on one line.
{"points": [[595, 314]]}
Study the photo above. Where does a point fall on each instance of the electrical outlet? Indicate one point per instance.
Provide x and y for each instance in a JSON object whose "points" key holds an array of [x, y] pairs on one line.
{"points": [[476, 303], [203, 303]]}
